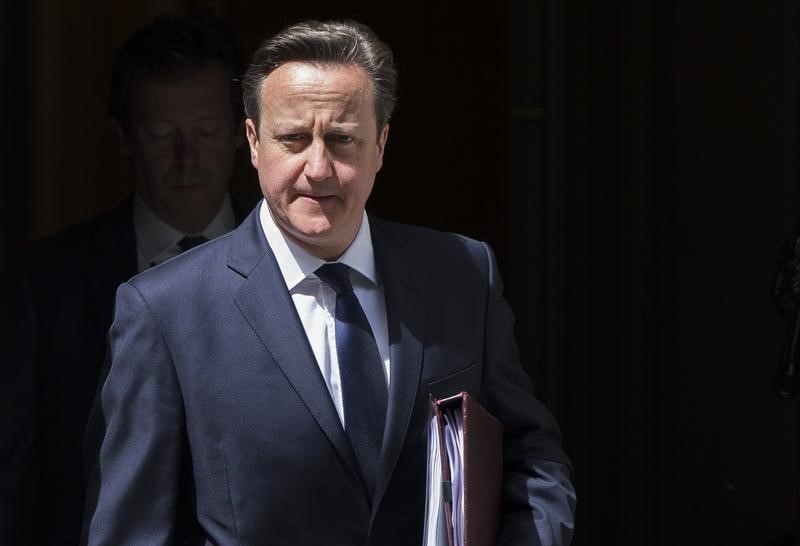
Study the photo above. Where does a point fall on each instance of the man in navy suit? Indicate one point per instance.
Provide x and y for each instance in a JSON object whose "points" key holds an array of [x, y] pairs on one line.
{"points": [[175, 105], [234, 410]]}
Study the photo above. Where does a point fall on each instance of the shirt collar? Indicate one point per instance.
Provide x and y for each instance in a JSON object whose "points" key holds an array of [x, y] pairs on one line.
{"points": [[297, 264], [156, 238]]}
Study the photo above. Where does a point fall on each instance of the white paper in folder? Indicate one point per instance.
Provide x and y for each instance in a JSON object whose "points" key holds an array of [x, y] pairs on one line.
{"points": [[441, 490]]}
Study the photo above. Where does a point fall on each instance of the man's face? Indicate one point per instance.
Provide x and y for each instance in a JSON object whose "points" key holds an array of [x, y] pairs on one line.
{"points": [[181, 138], [317, 152]]}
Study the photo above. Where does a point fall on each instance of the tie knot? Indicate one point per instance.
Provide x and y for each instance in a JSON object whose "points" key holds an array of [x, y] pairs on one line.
{"points": [[191, 241], [336, 275]]}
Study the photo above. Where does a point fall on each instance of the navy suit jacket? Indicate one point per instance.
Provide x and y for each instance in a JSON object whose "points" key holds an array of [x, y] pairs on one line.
{"points": [[214, 425]]}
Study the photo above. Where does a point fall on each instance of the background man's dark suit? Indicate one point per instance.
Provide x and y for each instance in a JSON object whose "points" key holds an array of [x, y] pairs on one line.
{"points": [[60, 302], [215, 404], [59, 308]]}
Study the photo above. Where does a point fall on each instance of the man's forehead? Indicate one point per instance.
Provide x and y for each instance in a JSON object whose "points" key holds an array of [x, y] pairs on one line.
{"points": [[326, 80], [301, 117], [299, 92], [202, 88]]}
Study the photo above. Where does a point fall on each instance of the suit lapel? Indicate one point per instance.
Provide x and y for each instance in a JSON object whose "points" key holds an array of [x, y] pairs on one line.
{"points": [[267, 305], [404, 291]]}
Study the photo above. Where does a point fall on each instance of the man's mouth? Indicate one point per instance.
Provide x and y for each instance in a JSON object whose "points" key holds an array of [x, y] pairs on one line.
{"points": [[316, 198], [187, 180]]}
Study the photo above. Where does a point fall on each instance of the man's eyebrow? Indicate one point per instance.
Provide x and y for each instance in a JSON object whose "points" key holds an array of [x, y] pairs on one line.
{"points": [[343, 126], [298, 126], [282, 123]]}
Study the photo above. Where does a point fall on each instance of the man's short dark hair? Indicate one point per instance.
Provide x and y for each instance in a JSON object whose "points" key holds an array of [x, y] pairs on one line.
{"points": [[169, 47], [331, 42]]}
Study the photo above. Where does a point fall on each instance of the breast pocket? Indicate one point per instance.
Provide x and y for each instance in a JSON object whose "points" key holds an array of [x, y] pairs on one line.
{"points": [[466, 380]]}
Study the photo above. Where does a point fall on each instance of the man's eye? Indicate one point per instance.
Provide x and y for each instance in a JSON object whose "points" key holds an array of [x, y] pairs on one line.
{"points": [[208, 128], [340, 139], [159, 131], [292, 137]]}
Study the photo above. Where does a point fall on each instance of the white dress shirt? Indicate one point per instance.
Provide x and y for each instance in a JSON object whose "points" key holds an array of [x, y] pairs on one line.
{"points": [[315, 301], [157, 241]]}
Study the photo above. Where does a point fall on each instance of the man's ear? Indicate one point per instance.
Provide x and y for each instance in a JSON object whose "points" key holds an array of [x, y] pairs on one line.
{"points": [[382, 138], [252, 140], [122, 137]]}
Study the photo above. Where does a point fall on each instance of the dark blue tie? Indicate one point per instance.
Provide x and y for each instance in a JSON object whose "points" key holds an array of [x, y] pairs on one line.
{"points": [[364, 390]]}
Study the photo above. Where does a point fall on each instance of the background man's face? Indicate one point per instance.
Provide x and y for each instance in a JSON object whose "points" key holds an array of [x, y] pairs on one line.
{"points": [[317, 152], [181, 138]]}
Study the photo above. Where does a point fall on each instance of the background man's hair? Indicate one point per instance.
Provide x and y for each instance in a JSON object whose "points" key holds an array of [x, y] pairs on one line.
{"points": [[170, 47], [331, 42]]}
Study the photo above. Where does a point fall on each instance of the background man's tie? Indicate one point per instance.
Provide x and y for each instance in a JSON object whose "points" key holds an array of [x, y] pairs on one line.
{"points": [[188, 241], [363, 380], [191, 241]]}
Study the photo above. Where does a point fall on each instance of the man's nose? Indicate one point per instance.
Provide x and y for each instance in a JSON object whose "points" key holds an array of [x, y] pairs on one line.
{"points": [[185, 148], [318, 162]]}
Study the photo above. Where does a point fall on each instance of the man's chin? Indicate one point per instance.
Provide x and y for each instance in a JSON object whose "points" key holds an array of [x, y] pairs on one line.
{"points": [[321, 240], [195, 195], [313, 235], [189, 187]]}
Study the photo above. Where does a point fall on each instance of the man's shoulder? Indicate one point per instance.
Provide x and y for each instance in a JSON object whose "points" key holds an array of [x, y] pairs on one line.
{"points": [[201, 262], [437, 255], [421, 236], [425, 244], [209, 271]]}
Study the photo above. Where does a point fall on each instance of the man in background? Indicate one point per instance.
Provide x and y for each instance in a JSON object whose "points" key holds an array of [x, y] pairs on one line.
{"points": [[175, 105]]}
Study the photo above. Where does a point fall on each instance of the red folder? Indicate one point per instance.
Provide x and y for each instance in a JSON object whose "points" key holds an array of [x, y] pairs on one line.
{"points": [[470, 437]]}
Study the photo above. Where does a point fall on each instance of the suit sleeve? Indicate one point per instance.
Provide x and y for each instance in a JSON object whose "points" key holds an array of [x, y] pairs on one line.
{"points": [[135, 434], [538, 496]]}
